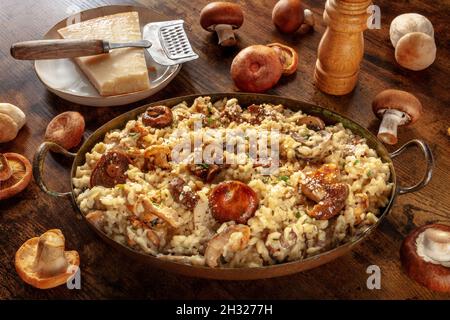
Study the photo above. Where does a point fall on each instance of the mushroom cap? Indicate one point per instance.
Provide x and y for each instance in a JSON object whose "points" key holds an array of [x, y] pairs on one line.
{"points": [[288, 57], [14, 112], [288, 15], [256, 68], [8, 128], [409, 22], [221, 12], [415, 51], [398, 100], [25, 261], [433, 276], [20, 175]]}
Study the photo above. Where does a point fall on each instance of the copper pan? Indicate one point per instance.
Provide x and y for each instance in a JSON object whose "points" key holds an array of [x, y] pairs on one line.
{"points": [[245, 99]]}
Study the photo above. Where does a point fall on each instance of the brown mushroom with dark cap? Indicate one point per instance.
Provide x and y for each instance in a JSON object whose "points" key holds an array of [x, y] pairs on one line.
{"points": [[312, 123], [223, 18], [425, 256], [396, 108], [157, 117], [257, 68]]}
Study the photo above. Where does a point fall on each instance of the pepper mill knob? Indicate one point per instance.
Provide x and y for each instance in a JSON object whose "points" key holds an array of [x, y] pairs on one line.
{"points": [[341, 48]]}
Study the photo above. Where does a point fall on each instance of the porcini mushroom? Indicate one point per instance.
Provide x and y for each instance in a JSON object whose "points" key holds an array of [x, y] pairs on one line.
{"points": [[223, 18], [15, 174], [257, 68], [412, 36], [425, 256], [43, 263], [396, 108]]}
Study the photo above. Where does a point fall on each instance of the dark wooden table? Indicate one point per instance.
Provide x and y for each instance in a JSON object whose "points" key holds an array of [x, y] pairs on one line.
{"points": [[108, 274]]}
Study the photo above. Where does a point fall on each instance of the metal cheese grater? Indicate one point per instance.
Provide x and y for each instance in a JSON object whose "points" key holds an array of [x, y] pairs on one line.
{"points": [[170, 44], [166, 42]]}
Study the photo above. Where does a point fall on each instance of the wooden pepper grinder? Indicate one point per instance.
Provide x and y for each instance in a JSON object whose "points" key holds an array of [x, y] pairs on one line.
{"points": [[341, 48]]}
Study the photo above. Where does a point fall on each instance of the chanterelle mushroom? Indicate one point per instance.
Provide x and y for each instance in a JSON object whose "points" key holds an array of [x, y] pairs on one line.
{"points": [[412, 36], [222, 17], [43, 263], [425, 256], [396, 108]]}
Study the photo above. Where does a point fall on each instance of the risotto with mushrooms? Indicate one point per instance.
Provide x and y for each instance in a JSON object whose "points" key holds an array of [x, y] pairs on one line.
{"points": [[327, 187]]}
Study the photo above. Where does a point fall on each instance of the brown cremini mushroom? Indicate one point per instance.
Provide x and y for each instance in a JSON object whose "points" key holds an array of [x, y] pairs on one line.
{"points": [[288, 16], [222, 17], [312, 123], [288, 57], [43, 263], [257, 68], [233, 200], [66, 129], [396, 108], [425, 256], [15, 174]]}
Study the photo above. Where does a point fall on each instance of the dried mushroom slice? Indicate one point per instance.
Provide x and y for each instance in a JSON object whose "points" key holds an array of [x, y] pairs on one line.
{"points": [[157, 117], [15, 174], [322, 187], [43, 263], [110, 169], [233, 200]]}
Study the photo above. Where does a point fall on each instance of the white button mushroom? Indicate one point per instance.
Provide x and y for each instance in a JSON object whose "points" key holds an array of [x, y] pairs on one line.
{"points": [[412, 36], [396, 108], [12, 119], [425, 256]]}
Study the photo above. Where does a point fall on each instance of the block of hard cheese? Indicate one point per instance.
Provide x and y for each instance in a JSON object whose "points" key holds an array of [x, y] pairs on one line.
{"points": [[121, 70]]}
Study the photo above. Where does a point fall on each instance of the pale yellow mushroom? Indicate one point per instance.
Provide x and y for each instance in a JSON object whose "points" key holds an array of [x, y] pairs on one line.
{"points": [[220, 241], [43, 263]]}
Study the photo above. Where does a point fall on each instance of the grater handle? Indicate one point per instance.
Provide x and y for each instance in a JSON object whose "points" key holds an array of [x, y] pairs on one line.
{"points": [[57, 49]]}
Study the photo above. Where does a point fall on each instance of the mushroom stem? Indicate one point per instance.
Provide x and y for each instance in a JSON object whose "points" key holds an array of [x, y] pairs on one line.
{"points": [[50, 259], [225, 34], [388, 128], [433, 245], [5, 168]]}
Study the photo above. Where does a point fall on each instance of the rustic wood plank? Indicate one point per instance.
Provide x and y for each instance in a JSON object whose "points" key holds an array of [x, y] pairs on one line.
{"points": [[108, 274]]}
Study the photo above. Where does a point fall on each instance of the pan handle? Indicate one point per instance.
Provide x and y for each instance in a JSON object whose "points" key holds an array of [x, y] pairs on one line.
{"points": [[430, 164], [38, 166]]}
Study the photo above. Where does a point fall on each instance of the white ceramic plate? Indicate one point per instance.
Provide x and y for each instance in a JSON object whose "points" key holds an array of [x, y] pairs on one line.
{"points": [[66, 80]]}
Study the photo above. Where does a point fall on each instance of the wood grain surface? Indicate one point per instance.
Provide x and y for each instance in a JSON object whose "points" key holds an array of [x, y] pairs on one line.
{"points": [[107, 274]]}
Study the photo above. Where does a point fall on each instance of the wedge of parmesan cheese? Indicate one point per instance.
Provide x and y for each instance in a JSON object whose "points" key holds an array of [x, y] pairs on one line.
{"points": [[121, 70]]}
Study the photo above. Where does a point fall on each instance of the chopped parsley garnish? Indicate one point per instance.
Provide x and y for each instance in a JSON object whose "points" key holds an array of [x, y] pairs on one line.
{"points": [[284, 178], [369, 173], [298, 214], [203, 165], [356, 162]]}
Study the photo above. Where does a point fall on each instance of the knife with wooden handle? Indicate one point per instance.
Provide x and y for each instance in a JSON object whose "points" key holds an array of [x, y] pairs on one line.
{"points": [[58, 49]]}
